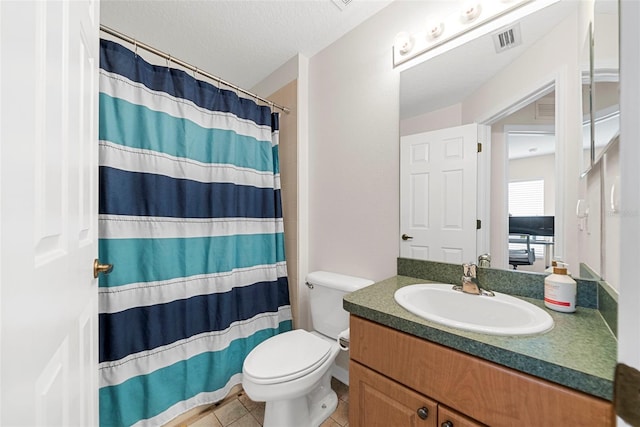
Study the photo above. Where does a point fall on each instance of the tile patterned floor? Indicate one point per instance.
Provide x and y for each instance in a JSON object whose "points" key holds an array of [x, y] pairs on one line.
{"points": [[237, 410]]}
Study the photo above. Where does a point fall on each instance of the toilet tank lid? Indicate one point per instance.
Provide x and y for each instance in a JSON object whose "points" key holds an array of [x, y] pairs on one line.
{"points": [[337, 281]]}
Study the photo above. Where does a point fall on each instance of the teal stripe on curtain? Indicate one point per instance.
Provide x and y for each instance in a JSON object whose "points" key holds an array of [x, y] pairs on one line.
{"points": [[149, 259], [196, 374], [191, 218], [137, 126]]}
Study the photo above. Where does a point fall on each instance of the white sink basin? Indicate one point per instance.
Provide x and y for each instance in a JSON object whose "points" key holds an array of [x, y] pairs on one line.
{"points": [[498, 315]]}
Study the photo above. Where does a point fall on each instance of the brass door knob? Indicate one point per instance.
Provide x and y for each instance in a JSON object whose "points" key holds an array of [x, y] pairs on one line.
{"points": [[406, 237], [101, 268]]}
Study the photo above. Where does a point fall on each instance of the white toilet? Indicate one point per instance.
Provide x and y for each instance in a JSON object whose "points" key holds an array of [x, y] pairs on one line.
{"points": [[291, 372]]}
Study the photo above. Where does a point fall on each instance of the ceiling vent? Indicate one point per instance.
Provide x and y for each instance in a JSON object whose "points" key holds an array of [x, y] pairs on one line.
{"points": [[507, 38], [342, 4]]}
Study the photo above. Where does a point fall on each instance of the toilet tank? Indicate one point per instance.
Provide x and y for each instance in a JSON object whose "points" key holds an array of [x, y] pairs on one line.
{"points": [[325, 299]]}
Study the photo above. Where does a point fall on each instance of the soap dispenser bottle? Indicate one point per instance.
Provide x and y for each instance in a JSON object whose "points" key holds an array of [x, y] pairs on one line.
{"points": [[560, 290]]}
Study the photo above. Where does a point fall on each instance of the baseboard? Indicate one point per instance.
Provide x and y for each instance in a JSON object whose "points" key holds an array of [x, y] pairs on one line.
{"points": [[341, 374]]}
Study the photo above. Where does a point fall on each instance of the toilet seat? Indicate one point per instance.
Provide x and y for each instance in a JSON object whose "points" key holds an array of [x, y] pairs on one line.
{"points": [[286, 357]]}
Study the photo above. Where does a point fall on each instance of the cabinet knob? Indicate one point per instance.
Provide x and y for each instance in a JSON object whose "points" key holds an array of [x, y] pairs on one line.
{"points": [[446, 424], [423, 413]]}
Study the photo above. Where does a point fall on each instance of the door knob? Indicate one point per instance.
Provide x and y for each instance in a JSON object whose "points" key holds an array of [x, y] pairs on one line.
{"points": [[406, 237], [101, 268]]}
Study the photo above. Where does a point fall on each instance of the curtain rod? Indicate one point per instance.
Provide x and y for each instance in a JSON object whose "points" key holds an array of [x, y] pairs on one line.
{"points": [[196, 70]]}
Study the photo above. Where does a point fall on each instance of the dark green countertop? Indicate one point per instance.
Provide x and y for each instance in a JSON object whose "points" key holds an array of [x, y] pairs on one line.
{"points": [[579, 352]]}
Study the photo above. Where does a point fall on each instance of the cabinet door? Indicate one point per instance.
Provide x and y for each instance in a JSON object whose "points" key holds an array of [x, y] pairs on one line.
{"points": [[376, 401], [447, 417]]}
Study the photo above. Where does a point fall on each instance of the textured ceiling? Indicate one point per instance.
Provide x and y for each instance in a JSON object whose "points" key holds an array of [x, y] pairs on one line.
{"points": [[241, 41]]}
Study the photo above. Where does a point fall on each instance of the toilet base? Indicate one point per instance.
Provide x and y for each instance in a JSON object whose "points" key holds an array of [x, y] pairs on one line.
{"points": [[310, 410]]}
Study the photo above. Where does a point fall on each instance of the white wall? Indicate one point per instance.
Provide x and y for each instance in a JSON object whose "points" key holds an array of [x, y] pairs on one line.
{"points": [[439, 119], [354, 151], [611, 217]]}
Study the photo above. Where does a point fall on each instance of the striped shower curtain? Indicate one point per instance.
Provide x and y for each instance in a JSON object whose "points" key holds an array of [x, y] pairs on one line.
{"points": [[191, 219]]}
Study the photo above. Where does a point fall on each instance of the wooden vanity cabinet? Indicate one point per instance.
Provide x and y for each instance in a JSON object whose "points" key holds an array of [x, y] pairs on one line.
{"points": [[393, 375]]}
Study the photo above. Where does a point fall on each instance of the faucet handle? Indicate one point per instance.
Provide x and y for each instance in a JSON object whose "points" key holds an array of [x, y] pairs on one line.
{"points": [[484, 260], [469, 270]]}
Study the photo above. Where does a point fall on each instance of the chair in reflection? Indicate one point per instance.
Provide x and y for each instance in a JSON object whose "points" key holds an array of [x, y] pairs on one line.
{"points": [[526, 256], [524, 229]]}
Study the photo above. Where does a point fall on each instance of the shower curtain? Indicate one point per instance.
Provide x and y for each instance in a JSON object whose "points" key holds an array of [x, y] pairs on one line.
{"points": [[191, 219]]}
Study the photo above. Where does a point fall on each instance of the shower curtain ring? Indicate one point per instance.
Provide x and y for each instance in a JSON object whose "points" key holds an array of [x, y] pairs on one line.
{"points": [[195, 72], [135, 47]]}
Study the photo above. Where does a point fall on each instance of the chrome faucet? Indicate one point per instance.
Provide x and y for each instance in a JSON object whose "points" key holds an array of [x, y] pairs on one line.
{"points": [[470, 284]]}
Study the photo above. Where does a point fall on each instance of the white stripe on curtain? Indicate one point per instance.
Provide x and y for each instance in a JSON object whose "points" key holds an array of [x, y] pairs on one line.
{"points": [[122, 298], [124, 226], [137, 160]]}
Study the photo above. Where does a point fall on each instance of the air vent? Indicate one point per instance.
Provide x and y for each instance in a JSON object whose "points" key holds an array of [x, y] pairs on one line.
{"points": [[342, 4], [545, 109], [507, 38]]}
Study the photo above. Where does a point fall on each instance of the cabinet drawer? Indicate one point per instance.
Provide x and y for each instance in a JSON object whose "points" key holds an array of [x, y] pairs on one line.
{"points": [[484, 391]]}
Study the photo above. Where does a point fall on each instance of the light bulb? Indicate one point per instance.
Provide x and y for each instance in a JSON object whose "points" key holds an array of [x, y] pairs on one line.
{"points": [[470, 11], [434, 29], [403, 42]]}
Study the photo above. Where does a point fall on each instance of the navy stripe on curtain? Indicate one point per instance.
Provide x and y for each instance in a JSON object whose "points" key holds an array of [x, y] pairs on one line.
{"points": [[117, 59], [191, 218], [144, 194]]}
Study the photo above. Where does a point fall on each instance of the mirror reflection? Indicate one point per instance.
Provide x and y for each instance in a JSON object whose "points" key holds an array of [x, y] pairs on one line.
{"points": [[531, 145], [606, 86], [510, 98]]}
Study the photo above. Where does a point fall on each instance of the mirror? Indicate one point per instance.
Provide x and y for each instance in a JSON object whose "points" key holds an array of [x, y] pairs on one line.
{"points": [[606, 72], [601, 87], [599, 220], [530, 141], [473, 83]]}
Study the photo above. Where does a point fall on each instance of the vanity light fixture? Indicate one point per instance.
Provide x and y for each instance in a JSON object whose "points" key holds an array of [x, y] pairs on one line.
{"points": [[472, 15]]}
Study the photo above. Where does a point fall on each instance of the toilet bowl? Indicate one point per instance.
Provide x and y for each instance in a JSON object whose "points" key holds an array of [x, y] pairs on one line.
{"points": [[292, 371]]}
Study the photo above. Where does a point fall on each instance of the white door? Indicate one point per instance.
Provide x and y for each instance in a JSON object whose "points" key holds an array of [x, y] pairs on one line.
{"points": [[438, 176], [48, 213]]}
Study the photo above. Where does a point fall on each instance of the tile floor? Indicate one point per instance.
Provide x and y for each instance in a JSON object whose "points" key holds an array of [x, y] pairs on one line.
{"points": [[237, 410]]}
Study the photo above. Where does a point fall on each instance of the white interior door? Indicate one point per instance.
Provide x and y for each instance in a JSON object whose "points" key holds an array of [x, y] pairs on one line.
{"points": [[48, 213], [438, 175]]}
